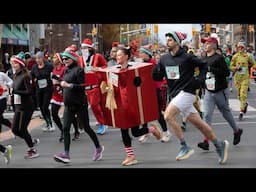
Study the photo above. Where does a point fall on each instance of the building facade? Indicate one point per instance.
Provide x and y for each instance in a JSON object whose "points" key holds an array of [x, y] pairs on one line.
{"points": [[14, 38]]}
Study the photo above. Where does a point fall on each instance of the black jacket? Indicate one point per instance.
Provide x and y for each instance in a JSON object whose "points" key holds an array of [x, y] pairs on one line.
{"points": [[186, 64], [44, 73], [216, 64], [74, 96], [22, 86]]}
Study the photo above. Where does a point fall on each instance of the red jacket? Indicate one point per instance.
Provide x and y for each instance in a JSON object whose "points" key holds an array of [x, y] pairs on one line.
{"points": [[97, 61]]}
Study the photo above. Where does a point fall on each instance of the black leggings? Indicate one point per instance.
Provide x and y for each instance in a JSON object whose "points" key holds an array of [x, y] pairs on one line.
{"points": [[136, 132], [2, 109], [20, 125], [43, 99], [55, 116], [82, 114], [161, 119]]}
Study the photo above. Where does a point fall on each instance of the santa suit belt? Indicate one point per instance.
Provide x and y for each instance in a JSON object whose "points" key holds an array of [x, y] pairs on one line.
{"points": [[90, 87]]}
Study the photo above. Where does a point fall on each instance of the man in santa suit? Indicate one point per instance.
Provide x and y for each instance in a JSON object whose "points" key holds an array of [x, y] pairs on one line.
{"points": [[90, 61]]}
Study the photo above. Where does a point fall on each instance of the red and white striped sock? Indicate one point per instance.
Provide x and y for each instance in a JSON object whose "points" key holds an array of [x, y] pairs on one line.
{"points": [[151, 129], [129, 151]]}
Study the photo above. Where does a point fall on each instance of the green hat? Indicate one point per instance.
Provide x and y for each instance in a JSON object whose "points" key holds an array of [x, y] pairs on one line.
{"points": [[146, 49], [19, 58], [70, 54]]}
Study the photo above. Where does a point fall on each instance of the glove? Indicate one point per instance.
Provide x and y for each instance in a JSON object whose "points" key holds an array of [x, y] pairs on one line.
{"points": [[55, 77]]}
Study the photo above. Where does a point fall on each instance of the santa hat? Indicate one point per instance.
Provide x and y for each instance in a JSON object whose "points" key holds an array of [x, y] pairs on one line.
{"points": [[87, 43], [72, 47], [20, 58], [115, 44], [177, 36], [70, 54], [146, 49]]}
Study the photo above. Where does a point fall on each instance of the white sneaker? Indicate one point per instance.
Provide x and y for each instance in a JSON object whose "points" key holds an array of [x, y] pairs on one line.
{"points": [[45, 129], [144, 138], [81, 130], [52, 128], [166, 136]]}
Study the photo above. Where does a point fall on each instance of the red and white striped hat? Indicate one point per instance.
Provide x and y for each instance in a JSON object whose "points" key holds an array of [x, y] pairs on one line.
{"points": [[20, 58]]}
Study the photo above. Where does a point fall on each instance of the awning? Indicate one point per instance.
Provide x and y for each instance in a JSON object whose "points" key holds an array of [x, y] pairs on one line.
{"points": [[14, 37], [21, 35]]}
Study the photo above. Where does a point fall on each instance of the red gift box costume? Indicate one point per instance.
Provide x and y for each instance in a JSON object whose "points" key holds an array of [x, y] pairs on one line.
{"points": [[128, 95]]}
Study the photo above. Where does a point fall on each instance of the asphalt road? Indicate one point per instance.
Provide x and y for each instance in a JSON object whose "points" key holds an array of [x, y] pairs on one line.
{"points": [[152, 154]]}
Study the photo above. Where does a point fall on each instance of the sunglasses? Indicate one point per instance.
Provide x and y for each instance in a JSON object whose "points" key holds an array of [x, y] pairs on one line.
{"points": [[66, 58]]}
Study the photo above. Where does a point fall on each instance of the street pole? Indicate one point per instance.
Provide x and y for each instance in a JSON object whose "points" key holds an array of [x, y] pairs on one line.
{"points": [[128, 29], [120, 35], [80, 35], [50, 51], [253, 37]]}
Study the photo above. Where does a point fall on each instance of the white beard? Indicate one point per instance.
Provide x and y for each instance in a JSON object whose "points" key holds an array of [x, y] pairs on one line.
{"points": [[85, 54]]}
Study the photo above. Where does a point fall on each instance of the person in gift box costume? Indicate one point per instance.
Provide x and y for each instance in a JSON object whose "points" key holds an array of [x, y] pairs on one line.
{"points": [[90, 61], [123, 55], [182, 88]]}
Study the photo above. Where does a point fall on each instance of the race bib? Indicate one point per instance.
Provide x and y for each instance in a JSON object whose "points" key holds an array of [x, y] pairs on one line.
{"points": [[210, 83], [172, 72], [17, 99], [42, 83], [113, 79]]}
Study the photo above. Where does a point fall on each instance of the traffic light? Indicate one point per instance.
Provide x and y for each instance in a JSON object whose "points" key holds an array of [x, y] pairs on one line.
{"points": [[156, 46], [207, 28], [148, 32], [155, 28], [193, 32]]}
